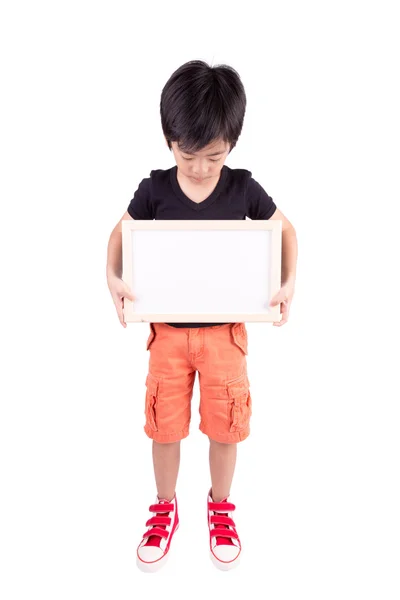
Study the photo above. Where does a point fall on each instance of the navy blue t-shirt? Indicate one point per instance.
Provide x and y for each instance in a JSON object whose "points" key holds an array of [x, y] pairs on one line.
{"points": [[236, 196]]}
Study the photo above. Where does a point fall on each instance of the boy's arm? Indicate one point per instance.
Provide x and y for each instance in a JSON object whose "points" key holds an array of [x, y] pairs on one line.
{"points": [[289, 248], [118, 288], [114, 249]]}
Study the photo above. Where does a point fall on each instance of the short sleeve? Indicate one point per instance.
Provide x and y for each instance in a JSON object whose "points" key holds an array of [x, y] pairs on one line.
{"points": [[258, 204], [140, 207]]}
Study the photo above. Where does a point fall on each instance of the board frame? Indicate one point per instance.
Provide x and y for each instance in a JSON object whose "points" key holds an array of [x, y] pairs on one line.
{"points": [[274, 266]]}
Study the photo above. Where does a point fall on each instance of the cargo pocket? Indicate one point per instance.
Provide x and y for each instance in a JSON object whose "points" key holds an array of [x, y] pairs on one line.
{"points": [[152, 385], [151, 337], [239, 403], [239, 335]]}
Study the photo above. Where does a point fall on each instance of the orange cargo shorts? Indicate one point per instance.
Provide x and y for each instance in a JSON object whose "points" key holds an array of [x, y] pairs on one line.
{"points": [[218, 353]]}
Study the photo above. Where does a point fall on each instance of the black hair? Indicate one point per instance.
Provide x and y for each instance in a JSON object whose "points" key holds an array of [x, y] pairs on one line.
{"points": [[200, 104]]}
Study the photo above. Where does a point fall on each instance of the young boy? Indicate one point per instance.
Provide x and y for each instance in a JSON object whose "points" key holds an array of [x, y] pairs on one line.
{"points": [[202, 112]]}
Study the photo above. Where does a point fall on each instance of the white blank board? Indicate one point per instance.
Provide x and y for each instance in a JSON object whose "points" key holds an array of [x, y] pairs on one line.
{"points": [[199, 271]]}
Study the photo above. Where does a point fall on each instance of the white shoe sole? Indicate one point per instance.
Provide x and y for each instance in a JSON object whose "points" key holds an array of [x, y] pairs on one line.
{"points": [[222, 566], [153, 566]]}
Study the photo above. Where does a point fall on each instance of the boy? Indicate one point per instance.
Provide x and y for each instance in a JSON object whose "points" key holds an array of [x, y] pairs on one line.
{"points": [[202, 111]]}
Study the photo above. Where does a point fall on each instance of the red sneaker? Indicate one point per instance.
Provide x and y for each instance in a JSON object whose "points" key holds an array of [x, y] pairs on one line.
{"points": [[152, 551], [225, 547]]}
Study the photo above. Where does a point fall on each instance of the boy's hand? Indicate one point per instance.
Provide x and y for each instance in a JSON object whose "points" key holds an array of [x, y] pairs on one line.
{"points": [[119, 290], [284, 298]]}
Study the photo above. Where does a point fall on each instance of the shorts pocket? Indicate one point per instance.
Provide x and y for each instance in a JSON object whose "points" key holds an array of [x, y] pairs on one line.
{"points": [[152, 385], [239, 335], [239, 403], [151, 337]]}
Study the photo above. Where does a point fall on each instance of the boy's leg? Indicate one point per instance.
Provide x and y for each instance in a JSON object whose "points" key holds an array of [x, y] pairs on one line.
{"points": [[225, 409], [222, 467], [166, 459], [169, 391], [225, 404]]}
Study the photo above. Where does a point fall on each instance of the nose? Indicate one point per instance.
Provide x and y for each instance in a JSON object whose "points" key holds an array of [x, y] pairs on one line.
{"points": [[200, 171]]}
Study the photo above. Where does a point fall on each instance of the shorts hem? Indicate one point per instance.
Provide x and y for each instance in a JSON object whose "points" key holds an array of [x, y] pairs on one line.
{"points": [[165, 438], [226, 438]]}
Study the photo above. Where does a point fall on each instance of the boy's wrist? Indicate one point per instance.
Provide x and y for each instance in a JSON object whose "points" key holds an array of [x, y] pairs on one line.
{"points": [[289, 279], [111, 274]]}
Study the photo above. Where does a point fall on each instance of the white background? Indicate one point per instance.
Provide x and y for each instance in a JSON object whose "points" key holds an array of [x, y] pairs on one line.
{"points": [[317, 482]]}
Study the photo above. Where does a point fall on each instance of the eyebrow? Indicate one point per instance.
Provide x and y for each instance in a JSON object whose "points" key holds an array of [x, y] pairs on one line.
{"points": [[214, 154]]}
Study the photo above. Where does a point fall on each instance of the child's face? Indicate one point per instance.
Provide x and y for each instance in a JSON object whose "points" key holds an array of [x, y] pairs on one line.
{"points": [[203, 165]]}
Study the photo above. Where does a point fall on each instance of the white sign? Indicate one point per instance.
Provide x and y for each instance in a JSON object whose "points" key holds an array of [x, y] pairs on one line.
{"points": [[201, 271]]}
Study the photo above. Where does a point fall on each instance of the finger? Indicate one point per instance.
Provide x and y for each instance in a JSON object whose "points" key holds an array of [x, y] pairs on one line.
{"points": [[120, 313], [127, 293], [279, 297], [121, 320], [283, 320], [280, 312], [276, 300], [123, 313], [280, 323]]}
